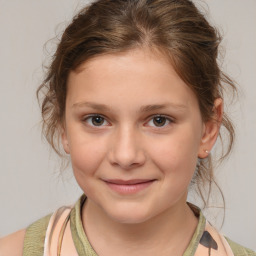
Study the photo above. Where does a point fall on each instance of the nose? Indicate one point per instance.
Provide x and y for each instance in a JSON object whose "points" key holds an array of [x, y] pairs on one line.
{"points": [[126, 150]]}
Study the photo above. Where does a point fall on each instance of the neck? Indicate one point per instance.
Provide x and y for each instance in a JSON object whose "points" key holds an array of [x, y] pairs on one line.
{"points": [[173, 227]]}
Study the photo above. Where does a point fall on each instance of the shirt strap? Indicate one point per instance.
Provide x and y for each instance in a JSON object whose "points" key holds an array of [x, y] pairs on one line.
{"points": [[55, 231]]}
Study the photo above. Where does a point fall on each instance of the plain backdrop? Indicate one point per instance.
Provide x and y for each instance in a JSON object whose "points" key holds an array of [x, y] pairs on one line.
{"points": [[30, 183]]}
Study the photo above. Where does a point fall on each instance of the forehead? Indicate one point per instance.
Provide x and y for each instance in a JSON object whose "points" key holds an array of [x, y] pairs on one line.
{"points": [[136, 77]]}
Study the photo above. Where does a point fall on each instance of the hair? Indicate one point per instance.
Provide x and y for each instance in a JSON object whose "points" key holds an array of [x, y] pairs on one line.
{"points": [[177, 29]]}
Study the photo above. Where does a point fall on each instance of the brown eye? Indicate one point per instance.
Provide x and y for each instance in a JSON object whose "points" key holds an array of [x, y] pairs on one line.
{"points": [[97, 120], [159, 121]]}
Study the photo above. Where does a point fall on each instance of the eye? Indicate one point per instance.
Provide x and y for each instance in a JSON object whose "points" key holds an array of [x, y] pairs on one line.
{"points": [[95, 120], [159, 121]]}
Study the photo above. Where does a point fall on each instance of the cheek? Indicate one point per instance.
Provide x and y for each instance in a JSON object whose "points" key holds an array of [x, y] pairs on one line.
{"points": [[87, 153], [176, 155]]}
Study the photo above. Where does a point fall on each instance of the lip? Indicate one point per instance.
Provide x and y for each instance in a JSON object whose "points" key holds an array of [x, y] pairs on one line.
{"points": [[129, 186]]}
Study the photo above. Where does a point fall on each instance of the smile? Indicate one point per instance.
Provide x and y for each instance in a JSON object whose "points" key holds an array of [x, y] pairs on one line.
{"points": [[128, 186]]}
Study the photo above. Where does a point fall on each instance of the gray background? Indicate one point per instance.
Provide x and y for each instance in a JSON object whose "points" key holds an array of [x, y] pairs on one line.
{"points": [[30, 184]]}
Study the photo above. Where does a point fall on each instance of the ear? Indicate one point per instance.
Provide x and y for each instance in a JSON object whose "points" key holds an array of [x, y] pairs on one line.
{"points": [[64, 140], [211, 129]]}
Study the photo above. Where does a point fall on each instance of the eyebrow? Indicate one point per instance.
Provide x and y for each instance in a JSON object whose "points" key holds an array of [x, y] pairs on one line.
{"points": [[145, 108]]}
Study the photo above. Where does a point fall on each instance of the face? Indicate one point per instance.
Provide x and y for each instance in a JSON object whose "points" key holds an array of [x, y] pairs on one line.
{"points": [[134, 131]]}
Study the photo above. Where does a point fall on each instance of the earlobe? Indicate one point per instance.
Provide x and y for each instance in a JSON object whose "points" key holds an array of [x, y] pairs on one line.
{"points": [[64, 141], [211, 129]]}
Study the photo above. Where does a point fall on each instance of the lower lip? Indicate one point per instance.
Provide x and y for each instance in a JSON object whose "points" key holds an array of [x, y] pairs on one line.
{"points": [[129, 189]]}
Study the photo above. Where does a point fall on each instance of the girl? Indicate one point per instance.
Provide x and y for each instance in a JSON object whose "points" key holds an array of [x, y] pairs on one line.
{"points": [[134, 94]]}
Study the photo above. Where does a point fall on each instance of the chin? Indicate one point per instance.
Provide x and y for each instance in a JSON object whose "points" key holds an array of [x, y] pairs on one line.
{"points": [[130, 219], [129, 216]]}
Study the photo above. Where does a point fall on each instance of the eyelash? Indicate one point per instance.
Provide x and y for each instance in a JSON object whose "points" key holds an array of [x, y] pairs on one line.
{"points": [[168, 120]]}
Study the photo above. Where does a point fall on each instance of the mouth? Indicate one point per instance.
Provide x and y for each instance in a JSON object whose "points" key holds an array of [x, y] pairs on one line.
{"points": [[129, 186]]}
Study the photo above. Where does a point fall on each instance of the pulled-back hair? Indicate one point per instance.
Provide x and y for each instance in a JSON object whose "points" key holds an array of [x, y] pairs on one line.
{"points": [[176, 28]]}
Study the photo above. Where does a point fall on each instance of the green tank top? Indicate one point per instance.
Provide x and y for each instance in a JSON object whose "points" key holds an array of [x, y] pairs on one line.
{"points": [[35, 236]]}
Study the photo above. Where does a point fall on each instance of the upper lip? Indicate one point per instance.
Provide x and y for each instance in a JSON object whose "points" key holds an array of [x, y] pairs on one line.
{"points": [[128, 182]]}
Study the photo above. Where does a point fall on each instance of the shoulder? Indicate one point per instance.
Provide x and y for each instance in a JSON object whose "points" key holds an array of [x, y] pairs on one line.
{"points": [[25, 241], [240, 250], [35, 236], [12, 245]]}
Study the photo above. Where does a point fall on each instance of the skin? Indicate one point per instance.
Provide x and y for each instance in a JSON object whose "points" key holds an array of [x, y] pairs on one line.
{"points": [[7, 244], [128, 144]]}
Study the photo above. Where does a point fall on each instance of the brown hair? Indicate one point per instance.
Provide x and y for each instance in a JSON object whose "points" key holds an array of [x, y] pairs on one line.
{"points": [[175, 28]]}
